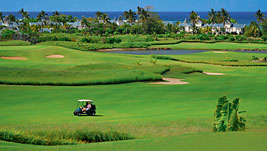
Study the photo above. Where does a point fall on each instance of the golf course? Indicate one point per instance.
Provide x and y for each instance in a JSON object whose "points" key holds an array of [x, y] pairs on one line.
{"points": [[41, 84]]}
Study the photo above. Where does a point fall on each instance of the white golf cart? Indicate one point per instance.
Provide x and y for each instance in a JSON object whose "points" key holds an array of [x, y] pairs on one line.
{"points": [[82, 104]]}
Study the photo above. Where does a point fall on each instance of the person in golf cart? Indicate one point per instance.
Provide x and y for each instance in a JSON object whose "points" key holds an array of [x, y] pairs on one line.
{"points": [[87, 109]]}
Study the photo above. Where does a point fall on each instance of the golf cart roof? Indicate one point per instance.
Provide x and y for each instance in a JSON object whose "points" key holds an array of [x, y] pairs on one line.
{"points": [[85, 100]]}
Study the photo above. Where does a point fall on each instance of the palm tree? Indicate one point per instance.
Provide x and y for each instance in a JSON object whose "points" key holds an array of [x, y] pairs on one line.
{"points": [[260, 16], [212, 16], [144, 14], [21, 11], [130, 16], [25, 15], [84, 22], [193, 18], [98, 15], [1, 17], [105, 18], [225, 17], [42, 15]]}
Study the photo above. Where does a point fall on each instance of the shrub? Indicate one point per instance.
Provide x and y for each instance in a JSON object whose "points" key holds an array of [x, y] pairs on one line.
{"points": [[86, 40], [240, 38], [264, 37], [203, 37], [221, 37], [231, 38], [7, 34], [226, 116], [113, 40]]}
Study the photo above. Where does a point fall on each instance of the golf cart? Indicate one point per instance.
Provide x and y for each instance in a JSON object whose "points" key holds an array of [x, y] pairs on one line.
{"points": [[82, 104]]}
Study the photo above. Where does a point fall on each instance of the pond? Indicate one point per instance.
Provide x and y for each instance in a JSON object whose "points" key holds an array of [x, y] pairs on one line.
{"points": [[158, 52]]}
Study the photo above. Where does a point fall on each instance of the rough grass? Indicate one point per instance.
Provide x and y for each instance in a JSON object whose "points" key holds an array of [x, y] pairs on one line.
{"points": [[227, 58], [14, 43], [214, 46]]}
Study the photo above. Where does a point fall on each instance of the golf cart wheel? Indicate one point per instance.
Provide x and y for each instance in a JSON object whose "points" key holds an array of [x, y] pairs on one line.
{"points": [[93, 114], [79, 114]]}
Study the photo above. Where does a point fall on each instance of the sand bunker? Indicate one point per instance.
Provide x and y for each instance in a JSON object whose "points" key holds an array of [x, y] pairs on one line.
{"points": [[210, 73], [14, 58], [219, 51], [55, 56], [171, 81]]}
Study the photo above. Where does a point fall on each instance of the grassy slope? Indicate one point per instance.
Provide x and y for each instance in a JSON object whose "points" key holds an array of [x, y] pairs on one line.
{"points": [[76, 67], [214, 46], [222, 58], [14, 43], [207, 142], [143, 110]]}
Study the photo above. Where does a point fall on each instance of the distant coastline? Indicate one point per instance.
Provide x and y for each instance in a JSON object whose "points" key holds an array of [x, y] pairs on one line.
{"points": [[240, 17]]}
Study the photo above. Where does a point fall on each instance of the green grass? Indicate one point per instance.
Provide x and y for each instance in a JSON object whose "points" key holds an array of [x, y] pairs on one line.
{"points": [[214, 46], [224, 58], [158, 117], [77, 67], [14, 43], [94, 46]]}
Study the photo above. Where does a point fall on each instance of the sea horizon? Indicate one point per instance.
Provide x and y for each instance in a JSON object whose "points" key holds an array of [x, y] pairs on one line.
{"points": [[242, 17]]}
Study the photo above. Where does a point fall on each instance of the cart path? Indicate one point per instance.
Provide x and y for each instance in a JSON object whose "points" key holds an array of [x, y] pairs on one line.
{"points": [[171, 81]]}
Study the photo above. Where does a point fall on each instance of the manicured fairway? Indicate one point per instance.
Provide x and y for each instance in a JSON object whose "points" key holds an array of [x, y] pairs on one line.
{"points": [[158, 117]]}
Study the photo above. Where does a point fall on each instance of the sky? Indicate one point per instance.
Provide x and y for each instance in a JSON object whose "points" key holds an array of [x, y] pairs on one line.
{"points": [[122, 5]]}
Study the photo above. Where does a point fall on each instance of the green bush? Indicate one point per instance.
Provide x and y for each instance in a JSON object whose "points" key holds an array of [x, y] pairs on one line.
{"points": [[86, 40], [221, 37], [240, 38], [7, 34], [203, 37], [264, 37]]}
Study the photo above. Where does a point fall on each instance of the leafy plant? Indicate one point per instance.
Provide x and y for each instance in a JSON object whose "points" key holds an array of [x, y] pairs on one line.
{"points": [[226, 116]]}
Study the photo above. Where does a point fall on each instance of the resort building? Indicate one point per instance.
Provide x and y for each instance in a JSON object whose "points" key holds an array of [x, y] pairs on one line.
{"points": [[215, 28]]}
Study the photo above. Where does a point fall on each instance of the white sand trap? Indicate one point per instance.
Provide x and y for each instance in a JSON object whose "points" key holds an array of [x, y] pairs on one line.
{"points": [[220, 52], [210, 73], [171, 81], [14, 58], [55, 56]]}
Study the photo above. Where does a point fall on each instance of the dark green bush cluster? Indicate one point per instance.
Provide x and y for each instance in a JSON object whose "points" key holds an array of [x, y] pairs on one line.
{"points": [[110, 40], [97, 136], [64, 138], [52, 38]]}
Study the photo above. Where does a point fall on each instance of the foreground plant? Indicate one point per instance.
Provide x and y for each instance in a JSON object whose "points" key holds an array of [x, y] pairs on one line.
{"points": [[226, 116]]}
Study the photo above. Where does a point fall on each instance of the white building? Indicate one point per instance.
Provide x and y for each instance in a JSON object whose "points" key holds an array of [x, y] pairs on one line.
{"points": [[215, 28]]}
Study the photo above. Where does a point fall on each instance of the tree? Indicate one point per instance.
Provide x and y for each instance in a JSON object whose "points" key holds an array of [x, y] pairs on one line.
{"points": [[225, 17], [98, 15], [105, 18], [1, 17], [253, 30], [264, 26], [260, 16], [212, 16], [130, 16], [11, 18], [24, 14], [143, 14], [193, 18]]}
